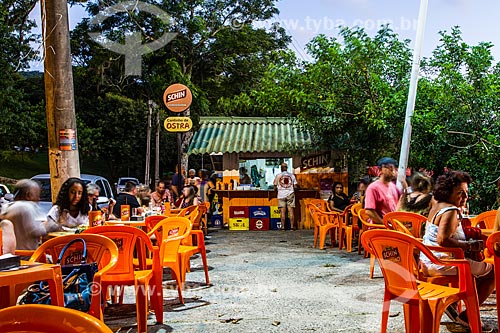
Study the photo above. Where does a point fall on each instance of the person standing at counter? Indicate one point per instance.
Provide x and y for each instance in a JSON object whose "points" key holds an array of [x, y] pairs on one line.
{"points": [[285, 182]]}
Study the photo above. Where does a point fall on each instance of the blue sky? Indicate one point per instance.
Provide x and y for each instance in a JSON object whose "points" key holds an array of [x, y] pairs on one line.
{"points": [[479, 20]]}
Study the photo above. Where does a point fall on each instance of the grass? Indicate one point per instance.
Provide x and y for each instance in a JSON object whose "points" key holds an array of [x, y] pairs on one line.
{"points": [[23, 165]]}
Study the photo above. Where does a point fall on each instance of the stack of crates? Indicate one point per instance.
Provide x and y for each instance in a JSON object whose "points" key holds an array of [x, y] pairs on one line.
{"points": [[239, 218], [217, 221], [259, 218]]}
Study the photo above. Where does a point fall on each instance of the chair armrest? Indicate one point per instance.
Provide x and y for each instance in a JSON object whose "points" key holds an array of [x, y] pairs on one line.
{"points": [[457, 252], [24, 253], [200, 237]]}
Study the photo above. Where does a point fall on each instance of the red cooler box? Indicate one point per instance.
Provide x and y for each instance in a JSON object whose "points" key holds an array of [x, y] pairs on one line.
{"points": [[238, 212], [259, 224]]}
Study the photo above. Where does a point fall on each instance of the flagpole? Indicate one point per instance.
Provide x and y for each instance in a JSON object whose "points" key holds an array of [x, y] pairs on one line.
{"points": [[412, 92]]}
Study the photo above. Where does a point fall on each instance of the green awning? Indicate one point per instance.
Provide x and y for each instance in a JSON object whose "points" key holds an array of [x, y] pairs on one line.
{"points": [[246, 135]]}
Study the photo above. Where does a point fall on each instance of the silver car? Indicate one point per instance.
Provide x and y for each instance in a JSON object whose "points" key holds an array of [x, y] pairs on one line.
{"points": [[46, 196]]}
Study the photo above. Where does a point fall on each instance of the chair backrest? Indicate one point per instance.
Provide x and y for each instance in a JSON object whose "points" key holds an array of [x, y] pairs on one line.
{"points": [[400, 227], [321, 217], [395, 254], [363, 217], [152, 221], [412, 221], [169, 233], [346, 214], [321, 204], [48, 319], [485, 220], [187, 211], [355, 208], [100, 249], [493, 245], [127, 239]]}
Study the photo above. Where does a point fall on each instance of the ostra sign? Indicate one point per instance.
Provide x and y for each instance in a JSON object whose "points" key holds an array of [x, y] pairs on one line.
{"points": [[178, 124]]}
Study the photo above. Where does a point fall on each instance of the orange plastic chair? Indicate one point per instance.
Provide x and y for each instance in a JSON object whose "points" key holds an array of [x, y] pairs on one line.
{"points": [[187, 249], [204, 207], [412, 221], [324, 222], [146, 281], [493, 246], [354, 221], [100, 249], [485, 220], [345, 229], [363, 217], [169, 233], [152, 221], [424, 302], [38, 318]]}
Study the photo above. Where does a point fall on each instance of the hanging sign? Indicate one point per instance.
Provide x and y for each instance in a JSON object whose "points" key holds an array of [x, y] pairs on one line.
{"points": [[178, 124], [177, 97], [315, 161], [67, 139]]}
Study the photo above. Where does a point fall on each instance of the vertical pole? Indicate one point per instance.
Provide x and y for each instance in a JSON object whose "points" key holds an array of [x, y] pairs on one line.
{"points": [[148, 145], [59, 94], [179, 164], [157, 149], [412, 92]]}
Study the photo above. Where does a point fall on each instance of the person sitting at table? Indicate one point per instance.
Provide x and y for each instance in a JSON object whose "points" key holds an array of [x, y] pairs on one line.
{"points": [[72, 205], [443, 228], [161, 195], [27, 217], [419, 199], [188, 197], [8, 237], [338, 200], [360, 193], [127, 197], [93, 191]]}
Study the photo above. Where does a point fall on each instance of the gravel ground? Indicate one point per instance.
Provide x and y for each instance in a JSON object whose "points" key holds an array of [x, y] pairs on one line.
{"points": [[275, 282]]}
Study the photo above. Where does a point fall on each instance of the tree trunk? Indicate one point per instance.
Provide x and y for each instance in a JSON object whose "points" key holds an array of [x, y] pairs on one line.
{"points": [[59, 95]]}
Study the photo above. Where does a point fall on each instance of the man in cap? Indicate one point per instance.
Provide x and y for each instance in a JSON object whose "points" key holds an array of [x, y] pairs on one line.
{"points": [[284, 182], [382, 195]]}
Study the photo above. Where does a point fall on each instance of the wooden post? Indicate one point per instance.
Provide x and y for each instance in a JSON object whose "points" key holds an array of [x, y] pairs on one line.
{"points": [[59, 96], [148, 145], [157, 149]]}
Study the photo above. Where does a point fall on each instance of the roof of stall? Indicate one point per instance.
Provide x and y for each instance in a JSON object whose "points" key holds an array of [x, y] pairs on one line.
{"points": [[246, 135]]}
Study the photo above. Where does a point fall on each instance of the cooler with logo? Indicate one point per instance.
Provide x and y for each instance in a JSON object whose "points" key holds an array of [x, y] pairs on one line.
{"points": [[259, 224], [239, 223], [275, 224], [238, 212], [217, 221], [259, 212]]}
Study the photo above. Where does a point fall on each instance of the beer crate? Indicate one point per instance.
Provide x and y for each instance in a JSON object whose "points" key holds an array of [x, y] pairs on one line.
{"points": [[217, 221], [275, 224], [239, 223], [259, 212], [259, 224], [238, 212], [275, 212]]}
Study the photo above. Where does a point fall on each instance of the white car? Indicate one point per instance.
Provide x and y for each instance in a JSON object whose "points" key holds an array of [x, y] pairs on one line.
{"points": [[120, 185]]}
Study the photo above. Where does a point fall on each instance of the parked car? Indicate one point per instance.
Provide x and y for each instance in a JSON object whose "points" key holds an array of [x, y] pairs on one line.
{"points": [[46, 196], [5, 198], [3, 190], [120, 185]]}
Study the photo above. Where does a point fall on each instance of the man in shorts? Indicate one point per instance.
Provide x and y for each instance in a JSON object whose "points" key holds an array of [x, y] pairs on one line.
{"points": [[285, 182]]}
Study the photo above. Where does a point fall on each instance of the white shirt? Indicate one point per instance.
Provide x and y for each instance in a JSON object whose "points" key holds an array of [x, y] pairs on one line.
{"points": [[284, 182], [65, 218]]}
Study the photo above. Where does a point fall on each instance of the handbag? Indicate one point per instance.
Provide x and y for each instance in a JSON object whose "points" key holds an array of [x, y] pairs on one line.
{"points": [[474, 234], [77, 281]]}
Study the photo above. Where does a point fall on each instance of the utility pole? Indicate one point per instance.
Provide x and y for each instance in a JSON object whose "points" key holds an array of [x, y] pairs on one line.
{"points": [[59, 96], [412, 93], [157, 149], [148, 145]]}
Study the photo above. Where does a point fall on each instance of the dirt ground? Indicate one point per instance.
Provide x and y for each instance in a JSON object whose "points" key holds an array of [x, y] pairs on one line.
{"points": [[275, 281]]}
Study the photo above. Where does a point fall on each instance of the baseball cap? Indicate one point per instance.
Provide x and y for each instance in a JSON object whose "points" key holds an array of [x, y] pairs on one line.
{"points": [[387, 160]]}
